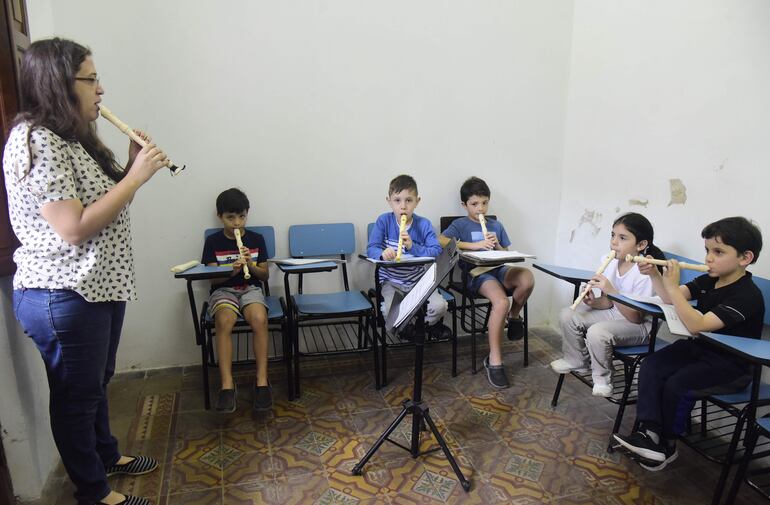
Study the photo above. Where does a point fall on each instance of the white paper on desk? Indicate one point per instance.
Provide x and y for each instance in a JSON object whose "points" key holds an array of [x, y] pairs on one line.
{"points": [[416, 295], [496, 255], [675, 325], [303, 261], [404, 259]]}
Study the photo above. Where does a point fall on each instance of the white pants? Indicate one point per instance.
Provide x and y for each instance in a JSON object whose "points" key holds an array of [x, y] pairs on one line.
{"points": [[437, 306], [588, 334]]}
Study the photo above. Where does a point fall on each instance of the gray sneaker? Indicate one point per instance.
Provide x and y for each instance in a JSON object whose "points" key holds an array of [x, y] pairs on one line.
{"points": [[226, 400], [496, 375]]}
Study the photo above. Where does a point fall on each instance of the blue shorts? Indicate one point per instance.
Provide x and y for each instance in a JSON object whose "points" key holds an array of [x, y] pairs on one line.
{"points": [[498, 274]]}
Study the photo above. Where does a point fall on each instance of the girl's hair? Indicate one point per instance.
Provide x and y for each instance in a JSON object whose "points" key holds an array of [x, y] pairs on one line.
{"points": [[641, 228], [48, 98]]}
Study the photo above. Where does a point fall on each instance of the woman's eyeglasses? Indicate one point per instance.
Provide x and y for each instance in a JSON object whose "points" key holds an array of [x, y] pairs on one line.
{"points": [[93, 81]]}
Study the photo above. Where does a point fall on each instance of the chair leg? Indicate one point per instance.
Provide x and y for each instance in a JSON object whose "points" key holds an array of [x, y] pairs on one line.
{"points": [[295, 341], [556, 393], [454, 340], [703, 417], [473, 336], [287, 358], [205, 377], [526, 337], [729, 457], [629, 372], [384, 357], [740, 474], [375, 353]]}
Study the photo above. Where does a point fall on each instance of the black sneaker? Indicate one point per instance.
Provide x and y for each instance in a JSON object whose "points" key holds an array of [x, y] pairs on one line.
{"points": [[515, 328], [496, 375], [226, 400], [641, 445], [671, 455], [140, 465], [263, 397], [439, 331]]}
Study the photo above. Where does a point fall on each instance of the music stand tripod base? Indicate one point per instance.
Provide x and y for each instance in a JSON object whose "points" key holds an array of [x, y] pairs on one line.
{"points": [[415, 406]]}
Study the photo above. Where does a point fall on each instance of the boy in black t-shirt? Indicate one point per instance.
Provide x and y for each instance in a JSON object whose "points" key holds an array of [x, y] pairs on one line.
{"points": [[672, 379], [237, 296]]}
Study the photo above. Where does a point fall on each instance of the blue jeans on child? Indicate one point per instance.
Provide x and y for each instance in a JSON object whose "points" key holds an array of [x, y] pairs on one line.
{"points": [[78, 341]]}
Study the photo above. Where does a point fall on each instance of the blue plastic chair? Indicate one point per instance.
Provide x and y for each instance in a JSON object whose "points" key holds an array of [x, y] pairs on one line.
{"points": [[380, 320], [311, 314], [276, 316]]}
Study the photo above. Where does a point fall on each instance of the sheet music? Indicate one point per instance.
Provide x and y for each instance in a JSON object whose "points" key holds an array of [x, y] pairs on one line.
{"points": [[417, 293], [496, 255], [404, 259], [675, 325], [303, 261]]}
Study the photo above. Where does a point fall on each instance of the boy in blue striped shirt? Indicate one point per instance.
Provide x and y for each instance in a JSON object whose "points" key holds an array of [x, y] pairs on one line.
{"points": [[418, 239]]}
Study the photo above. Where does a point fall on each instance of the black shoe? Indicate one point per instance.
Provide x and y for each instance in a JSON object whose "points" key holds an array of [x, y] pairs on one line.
{"points": [[140, 465], [496, 375], [515, 328], [640, 444], [263, 397], [671, 455], [439, 331], [407, 333], [226, 400]]}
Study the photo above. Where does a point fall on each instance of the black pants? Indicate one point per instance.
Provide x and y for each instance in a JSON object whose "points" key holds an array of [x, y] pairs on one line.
{"points": [[672, 379]]}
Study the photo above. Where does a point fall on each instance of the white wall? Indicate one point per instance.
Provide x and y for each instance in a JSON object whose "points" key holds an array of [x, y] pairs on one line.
{"points": [[311, 108], [662, 90]]}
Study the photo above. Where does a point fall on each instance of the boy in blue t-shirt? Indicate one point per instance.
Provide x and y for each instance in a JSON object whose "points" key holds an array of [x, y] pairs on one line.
{"points": [[418, 239], [237, 296], [492, 285]]}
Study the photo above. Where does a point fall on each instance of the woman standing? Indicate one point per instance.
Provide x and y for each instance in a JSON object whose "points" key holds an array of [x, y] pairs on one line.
{"points": [[68, 203]]}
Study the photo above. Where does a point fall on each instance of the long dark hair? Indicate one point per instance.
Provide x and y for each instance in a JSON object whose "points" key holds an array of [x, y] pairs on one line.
{"points": [[641, 228], [48, 98]]}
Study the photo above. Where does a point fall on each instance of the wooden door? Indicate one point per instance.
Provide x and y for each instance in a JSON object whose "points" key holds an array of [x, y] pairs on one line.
{"points": [[14, 39]]}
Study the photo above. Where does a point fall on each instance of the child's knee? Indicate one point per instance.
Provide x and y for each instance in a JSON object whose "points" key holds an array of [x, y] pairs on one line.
{"points": [[596, 336], [225, 318], [257, 316]]}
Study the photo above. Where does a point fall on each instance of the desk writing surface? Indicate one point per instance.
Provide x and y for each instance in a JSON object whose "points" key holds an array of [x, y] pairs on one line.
{"points": [[325, 266], [646, 308], [752, 349], [489, 258], [202, 272], [573, 275]]}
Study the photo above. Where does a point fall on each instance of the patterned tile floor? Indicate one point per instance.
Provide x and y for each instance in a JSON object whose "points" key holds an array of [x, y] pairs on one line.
{"points": [[511, 444]]}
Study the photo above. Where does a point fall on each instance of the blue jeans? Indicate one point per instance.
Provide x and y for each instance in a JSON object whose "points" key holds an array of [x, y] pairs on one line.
{"points": [[78, 341]]}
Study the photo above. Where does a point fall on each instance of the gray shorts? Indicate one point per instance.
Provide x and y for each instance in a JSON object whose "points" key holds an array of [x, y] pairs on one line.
{"points": [[235, 299]]}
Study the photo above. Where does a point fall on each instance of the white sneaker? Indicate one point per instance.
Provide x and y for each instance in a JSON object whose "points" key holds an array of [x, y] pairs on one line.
{"points": [[561, 365], [604, 390]]}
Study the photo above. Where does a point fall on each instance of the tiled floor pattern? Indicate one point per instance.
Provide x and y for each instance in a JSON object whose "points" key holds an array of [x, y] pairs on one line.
{"points": [[511, 444]]}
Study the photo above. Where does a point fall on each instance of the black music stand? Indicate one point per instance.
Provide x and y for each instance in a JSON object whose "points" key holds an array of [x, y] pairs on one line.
{"points": [[395, 322]]}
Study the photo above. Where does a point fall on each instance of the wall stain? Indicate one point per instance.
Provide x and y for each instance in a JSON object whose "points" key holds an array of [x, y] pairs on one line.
{"points": [[592, 218], [678, 192], [639, 202]]}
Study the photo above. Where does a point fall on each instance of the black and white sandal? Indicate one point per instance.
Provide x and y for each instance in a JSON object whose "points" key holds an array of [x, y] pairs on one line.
{"points": [[140, 465]]}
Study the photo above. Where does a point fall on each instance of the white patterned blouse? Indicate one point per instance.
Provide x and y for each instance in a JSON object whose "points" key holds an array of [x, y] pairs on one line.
{"points": [[49, 169]]}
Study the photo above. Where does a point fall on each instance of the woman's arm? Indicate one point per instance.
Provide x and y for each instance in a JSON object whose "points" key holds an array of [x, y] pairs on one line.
{"points": [[75, 223]]}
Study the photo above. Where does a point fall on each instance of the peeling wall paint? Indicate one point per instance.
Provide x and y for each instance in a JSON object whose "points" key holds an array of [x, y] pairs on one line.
{"points": [[678, 192], [592, 218], [641, 203]]}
